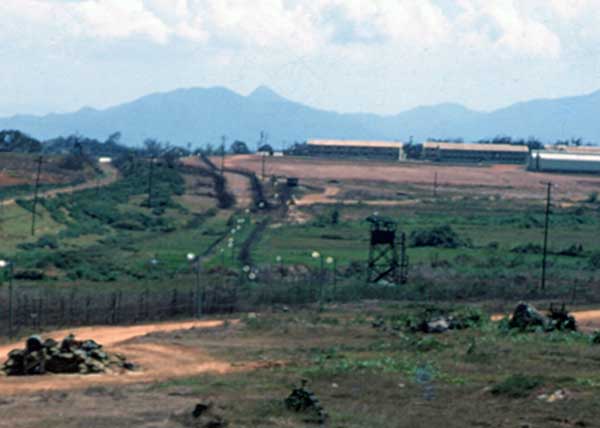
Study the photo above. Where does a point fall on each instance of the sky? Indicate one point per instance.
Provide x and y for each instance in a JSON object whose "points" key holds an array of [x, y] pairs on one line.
{"points": [[379, 56]]}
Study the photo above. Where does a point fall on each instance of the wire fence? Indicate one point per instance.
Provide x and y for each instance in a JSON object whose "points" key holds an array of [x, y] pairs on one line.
{"points": [[25, 310]]}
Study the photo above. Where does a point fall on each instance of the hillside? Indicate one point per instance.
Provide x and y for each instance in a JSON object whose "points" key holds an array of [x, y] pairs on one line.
{"points": [[200, 115]]}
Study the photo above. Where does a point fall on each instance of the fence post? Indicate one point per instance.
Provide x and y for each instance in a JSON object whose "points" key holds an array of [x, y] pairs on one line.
{"points": [[113, 309], [88, 302]]}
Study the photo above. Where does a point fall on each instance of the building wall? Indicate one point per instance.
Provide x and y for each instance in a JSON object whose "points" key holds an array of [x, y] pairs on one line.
{"points": [[560, 165], [356, 152], [475, 156]]}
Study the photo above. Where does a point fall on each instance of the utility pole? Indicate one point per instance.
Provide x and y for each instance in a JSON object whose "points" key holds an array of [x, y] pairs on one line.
{"points": [[435, 184], [39, 161], [150, 180], [546, 224], [223, 142], [261, 143]]}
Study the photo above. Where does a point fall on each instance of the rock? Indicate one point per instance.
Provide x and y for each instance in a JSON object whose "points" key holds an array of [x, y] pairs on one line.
{"points": [[203, 415], [90, 345], [526, 317], [34, 344], [560, 319], [438, 326], [50, 343]]}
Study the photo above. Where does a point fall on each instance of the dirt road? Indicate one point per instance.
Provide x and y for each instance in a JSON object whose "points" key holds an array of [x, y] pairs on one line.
{"points": [[238, 184], [157, 362], [111, 175], [331, 196]]}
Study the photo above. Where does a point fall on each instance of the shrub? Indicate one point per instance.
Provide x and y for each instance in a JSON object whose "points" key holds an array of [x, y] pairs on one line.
{"points": [[594, 261], [528, 248], [46, 241], [517, 386], [592, 197], [441, 236], [574, 250]]}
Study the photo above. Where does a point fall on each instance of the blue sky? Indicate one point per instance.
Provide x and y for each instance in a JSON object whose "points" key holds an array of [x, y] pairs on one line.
{"points": [[381, 56]]}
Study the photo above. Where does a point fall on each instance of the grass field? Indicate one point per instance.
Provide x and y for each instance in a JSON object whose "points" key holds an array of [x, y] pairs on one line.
{"points": [[499, 236], [363, 376]]}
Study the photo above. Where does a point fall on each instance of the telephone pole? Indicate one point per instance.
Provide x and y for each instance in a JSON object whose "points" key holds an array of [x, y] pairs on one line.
{"points": [[150, 180], [223, 142], [546, 224], [39, 162]]}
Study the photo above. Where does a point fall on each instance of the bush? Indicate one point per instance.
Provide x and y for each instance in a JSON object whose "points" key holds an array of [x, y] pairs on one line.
{"points": [[46, 241], [517, 386], [574, 250], [528, 248], [594, 261], [441, 236]]}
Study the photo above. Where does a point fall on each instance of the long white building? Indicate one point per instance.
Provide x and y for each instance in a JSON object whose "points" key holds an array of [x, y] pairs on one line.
{"points": [[392, 150], [564, 162]]}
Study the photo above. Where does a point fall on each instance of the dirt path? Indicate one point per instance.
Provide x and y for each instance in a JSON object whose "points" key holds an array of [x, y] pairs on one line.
{"points": [[240, 187], [330, 196], [238, 184], [157, 362], [111, 175]]}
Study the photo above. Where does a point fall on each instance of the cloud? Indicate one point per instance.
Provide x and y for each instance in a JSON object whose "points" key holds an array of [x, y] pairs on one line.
{"points": [[302, 27], [505, 29]]}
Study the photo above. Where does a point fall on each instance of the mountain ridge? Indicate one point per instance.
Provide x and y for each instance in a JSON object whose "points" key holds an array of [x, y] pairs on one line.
{"points": [[201, 115]]}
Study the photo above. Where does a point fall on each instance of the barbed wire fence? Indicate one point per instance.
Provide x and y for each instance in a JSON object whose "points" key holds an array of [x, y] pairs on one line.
{"points": [[40, 308]]}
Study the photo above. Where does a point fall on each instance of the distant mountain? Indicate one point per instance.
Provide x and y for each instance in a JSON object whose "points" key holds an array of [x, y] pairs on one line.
{"points": [[201, 115]]}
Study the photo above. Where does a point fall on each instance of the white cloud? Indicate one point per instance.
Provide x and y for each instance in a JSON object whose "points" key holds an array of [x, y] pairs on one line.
{"points": [[118, 19], [507, 29]]}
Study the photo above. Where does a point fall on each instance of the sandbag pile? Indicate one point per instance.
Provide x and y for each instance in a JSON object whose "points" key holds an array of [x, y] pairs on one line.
{"points": [[526, 318], [69, 356]]}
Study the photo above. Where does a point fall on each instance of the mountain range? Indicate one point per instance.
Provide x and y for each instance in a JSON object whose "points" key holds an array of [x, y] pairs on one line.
{"points": [[203, 115]]}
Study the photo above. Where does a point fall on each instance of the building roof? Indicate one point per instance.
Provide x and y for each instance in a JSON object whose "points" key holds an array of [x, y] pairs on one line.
{"points": [[357, 143], [476, 147], [567, 156], [573, 149]]}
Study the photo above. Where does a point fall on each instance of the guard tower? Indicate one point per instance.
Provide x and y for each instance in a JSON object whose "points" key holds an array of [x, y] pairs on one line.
{"points": [[383, 253]]}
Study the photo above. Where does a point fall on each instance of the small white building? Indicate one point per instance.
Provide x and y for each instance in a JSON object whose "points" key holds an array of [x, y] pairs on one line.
{"points": [[564, 162]]}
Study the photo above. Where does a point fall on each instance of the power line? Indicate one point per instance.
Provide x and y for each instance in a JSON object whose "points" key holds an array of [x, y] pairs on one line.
{"points": [[39, 161], [546, 224]]}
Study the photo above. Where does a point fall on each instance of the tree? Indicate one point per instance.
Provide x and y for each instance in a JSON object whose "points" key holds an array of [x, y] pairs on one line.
{"points": [[266, 148], [114, 138], [239, 148], [152, 147]]}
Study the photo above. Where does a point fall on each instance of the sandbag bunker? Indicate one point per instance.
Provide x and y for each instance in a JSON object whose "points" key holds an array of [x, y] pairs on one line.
{"points": [[69, 356]]}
